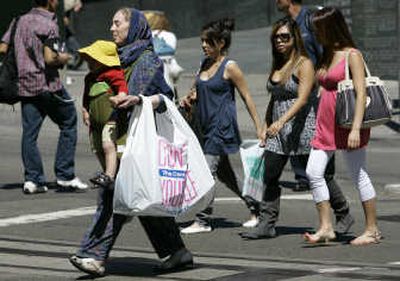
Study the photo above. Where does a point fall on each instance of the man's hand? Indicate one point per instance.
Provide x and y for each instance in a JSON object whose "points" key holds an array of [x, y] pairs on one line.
{"points": [[63, 58]]}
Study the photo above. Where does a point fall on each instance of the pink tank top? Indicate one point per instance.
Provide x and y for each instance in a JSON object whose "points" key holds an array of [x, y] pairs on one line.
{"points": [[328, 135]]}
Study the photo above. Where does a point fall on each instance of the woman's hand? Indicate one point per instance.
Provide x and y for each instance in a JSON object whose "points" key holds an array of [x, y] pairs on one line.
{"points": [[85, 117], [274, 129], [127, 101], [117, 99], [185, 102], [188, 100], [353, 142], [263, 136]]}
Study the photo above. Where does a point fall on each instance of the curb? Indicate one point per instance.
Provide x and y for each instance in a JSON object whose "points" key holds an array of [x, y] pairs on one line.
{"points": [[393, 188]]}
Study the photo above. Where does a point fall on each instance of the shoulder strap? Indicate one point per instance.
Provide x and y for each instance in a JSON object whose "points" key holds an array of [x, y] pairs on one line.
{"points": [[12, 34], [347, 68]]}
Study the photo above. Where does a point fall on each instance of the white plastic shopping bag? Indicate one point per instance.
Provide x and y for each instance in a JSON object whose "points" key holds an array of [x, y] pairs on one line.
{"points": [[253, 166], [163, 171]]}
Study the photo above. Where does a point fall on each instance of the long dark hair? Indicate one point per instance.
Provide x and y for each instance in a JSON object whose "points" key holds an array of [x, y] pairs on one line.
{"points": [[332, 33], [278, 59]]}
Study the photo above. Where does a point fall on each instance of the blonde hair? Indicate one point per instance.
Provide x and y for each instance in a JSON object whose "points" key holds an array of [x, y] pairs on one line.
{"points": [[157, 20]]}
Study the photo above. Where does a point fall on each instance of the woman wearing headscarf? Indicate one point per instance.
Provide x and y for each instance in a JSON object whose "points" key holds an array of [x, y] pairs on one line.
{"points": [[144, 74]]}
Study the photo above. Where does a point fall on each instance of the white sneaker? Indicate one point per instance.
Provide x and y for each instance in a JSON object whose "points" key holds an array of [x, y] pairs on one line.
{"points": [[253, 222], [196, 228], [75, 183], [31, 188]]}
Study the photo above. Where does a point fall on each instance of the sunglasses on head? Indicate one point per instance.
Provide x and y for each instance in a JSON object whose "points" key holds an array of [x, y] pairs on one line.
{"points": [[284, 37]]}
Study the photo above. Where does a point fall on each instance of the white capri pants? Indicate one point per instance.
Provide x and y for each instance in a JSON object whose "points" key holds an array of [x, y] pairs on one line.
{"points": [[355, 160]]}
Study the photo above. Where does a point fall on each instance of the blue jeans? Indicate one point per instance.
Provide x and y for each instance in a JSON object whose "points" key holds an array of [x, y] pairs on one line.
{"points": [[61, 110], [99, 239]]}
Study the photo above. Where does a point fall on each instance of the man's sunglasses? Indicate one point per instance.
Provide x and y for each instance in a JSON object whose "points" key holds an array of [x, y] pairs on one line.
{"points": [[284, 37]]}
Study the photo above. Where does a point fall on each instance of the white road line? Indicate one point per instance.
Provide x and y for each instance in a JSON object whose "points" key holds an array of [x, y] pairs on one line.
{"points": [[285, 197], [65, 214], [338, 269], [47, 216], [394, 263]]}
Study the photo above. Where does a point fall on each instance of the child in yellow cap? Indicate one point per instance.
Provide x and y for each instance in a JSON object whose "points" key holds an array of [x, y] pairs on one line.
{"points": [[103, 83]]}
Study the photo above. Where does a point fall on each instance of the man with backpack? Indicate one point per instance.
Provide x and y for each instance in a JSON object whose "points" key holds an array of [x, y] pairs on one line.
{"points": [[303, 18], [39, 55]]}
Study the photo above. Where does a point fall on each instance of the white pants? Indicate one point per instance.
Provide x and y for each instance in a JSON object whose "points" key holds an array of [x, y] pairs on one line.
{"points": [[355, 160]]}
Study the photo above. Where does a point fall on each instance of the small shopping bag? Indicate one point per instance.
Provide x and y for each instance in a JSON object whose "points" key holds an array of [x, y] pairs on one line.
{"points": [[254, 168]]}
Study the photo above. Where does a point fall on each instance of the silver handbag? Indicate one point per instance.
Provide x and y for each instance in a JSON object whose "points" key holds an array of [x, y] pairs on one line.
{"points": [[378, 108]]}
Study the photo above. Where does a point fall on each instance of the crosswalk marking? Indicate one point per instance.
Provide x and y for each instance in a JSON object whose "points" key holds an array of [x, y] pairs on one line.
{"points": [[25, 219], [65, 214], [283, 197]]}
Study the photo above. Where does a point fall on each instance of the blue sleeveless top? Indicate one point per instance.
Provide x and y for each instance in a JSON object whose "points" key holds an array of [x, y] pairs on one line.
{"points": [[216, 111]]}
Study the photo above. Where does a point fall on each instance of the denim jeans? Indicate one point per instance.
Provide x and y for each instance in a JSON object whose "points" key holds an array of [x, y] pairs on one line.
{"points": [[99, 239], [221, 168], [61, 110]]}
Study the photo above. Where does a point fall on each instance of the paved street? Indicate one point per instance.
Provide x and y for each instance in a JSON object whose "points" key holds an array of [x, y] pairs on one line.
{"points": [[39, 232]]}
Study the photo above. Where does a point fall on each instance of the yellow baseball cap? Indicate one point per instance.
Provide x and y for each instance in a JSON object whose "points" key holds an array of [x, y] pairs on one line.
{"points": [[105, 52]]}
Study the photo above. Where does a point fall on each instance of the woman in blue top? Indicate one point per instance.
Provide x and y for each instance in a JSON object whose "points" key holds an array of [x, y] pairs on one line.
{"points": [[214, 95]]}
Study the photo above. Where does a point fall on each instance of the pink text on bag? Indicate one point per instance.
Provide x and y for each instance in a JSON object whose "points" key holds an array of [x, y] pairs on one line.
{"points": [[178, 188]]}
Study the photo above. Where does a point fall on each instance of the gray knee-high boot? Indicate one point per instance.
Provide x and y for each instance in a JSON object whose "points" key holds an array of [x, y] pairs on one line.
{"points": [[266, 227]]}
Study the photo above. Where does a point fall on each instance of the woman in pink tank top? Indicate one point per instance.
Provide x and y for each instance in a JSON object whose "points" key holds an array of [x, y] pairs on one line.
{"points": [[333, 34]]}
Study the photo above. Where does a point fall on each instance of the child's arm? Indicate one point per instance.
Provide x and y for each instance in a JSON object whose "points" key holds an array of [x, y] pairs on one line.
{"points": [[85, 117], [85, 102], [115, 78]]}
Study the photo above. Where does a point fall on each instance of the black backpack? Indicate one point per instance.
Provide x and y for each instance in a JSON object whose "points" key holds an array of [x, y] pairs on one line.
{"points": [[9, 72]]}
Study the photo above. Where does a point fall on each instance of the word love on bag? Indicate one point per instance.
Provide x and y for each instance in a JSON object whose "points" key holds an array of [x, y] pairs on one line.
{"points": [[178, 188]]}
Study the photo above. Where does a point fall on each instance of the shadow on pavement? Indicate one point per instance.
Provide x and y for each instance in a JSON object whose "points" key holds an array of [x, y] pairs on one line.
{"points": [[224, 223], [16, 185], [135, 267], [290, 230]]}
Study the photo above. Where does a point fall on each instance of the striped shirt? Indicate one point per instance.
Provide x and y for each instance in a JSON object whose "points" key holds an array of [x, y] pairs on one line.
{"points": [[33, 29]]}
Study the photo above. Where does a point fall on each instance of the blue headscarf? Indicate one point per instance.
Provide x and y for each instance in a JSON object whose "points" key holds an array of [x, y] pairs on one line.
{"points": [[147, 76]]}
